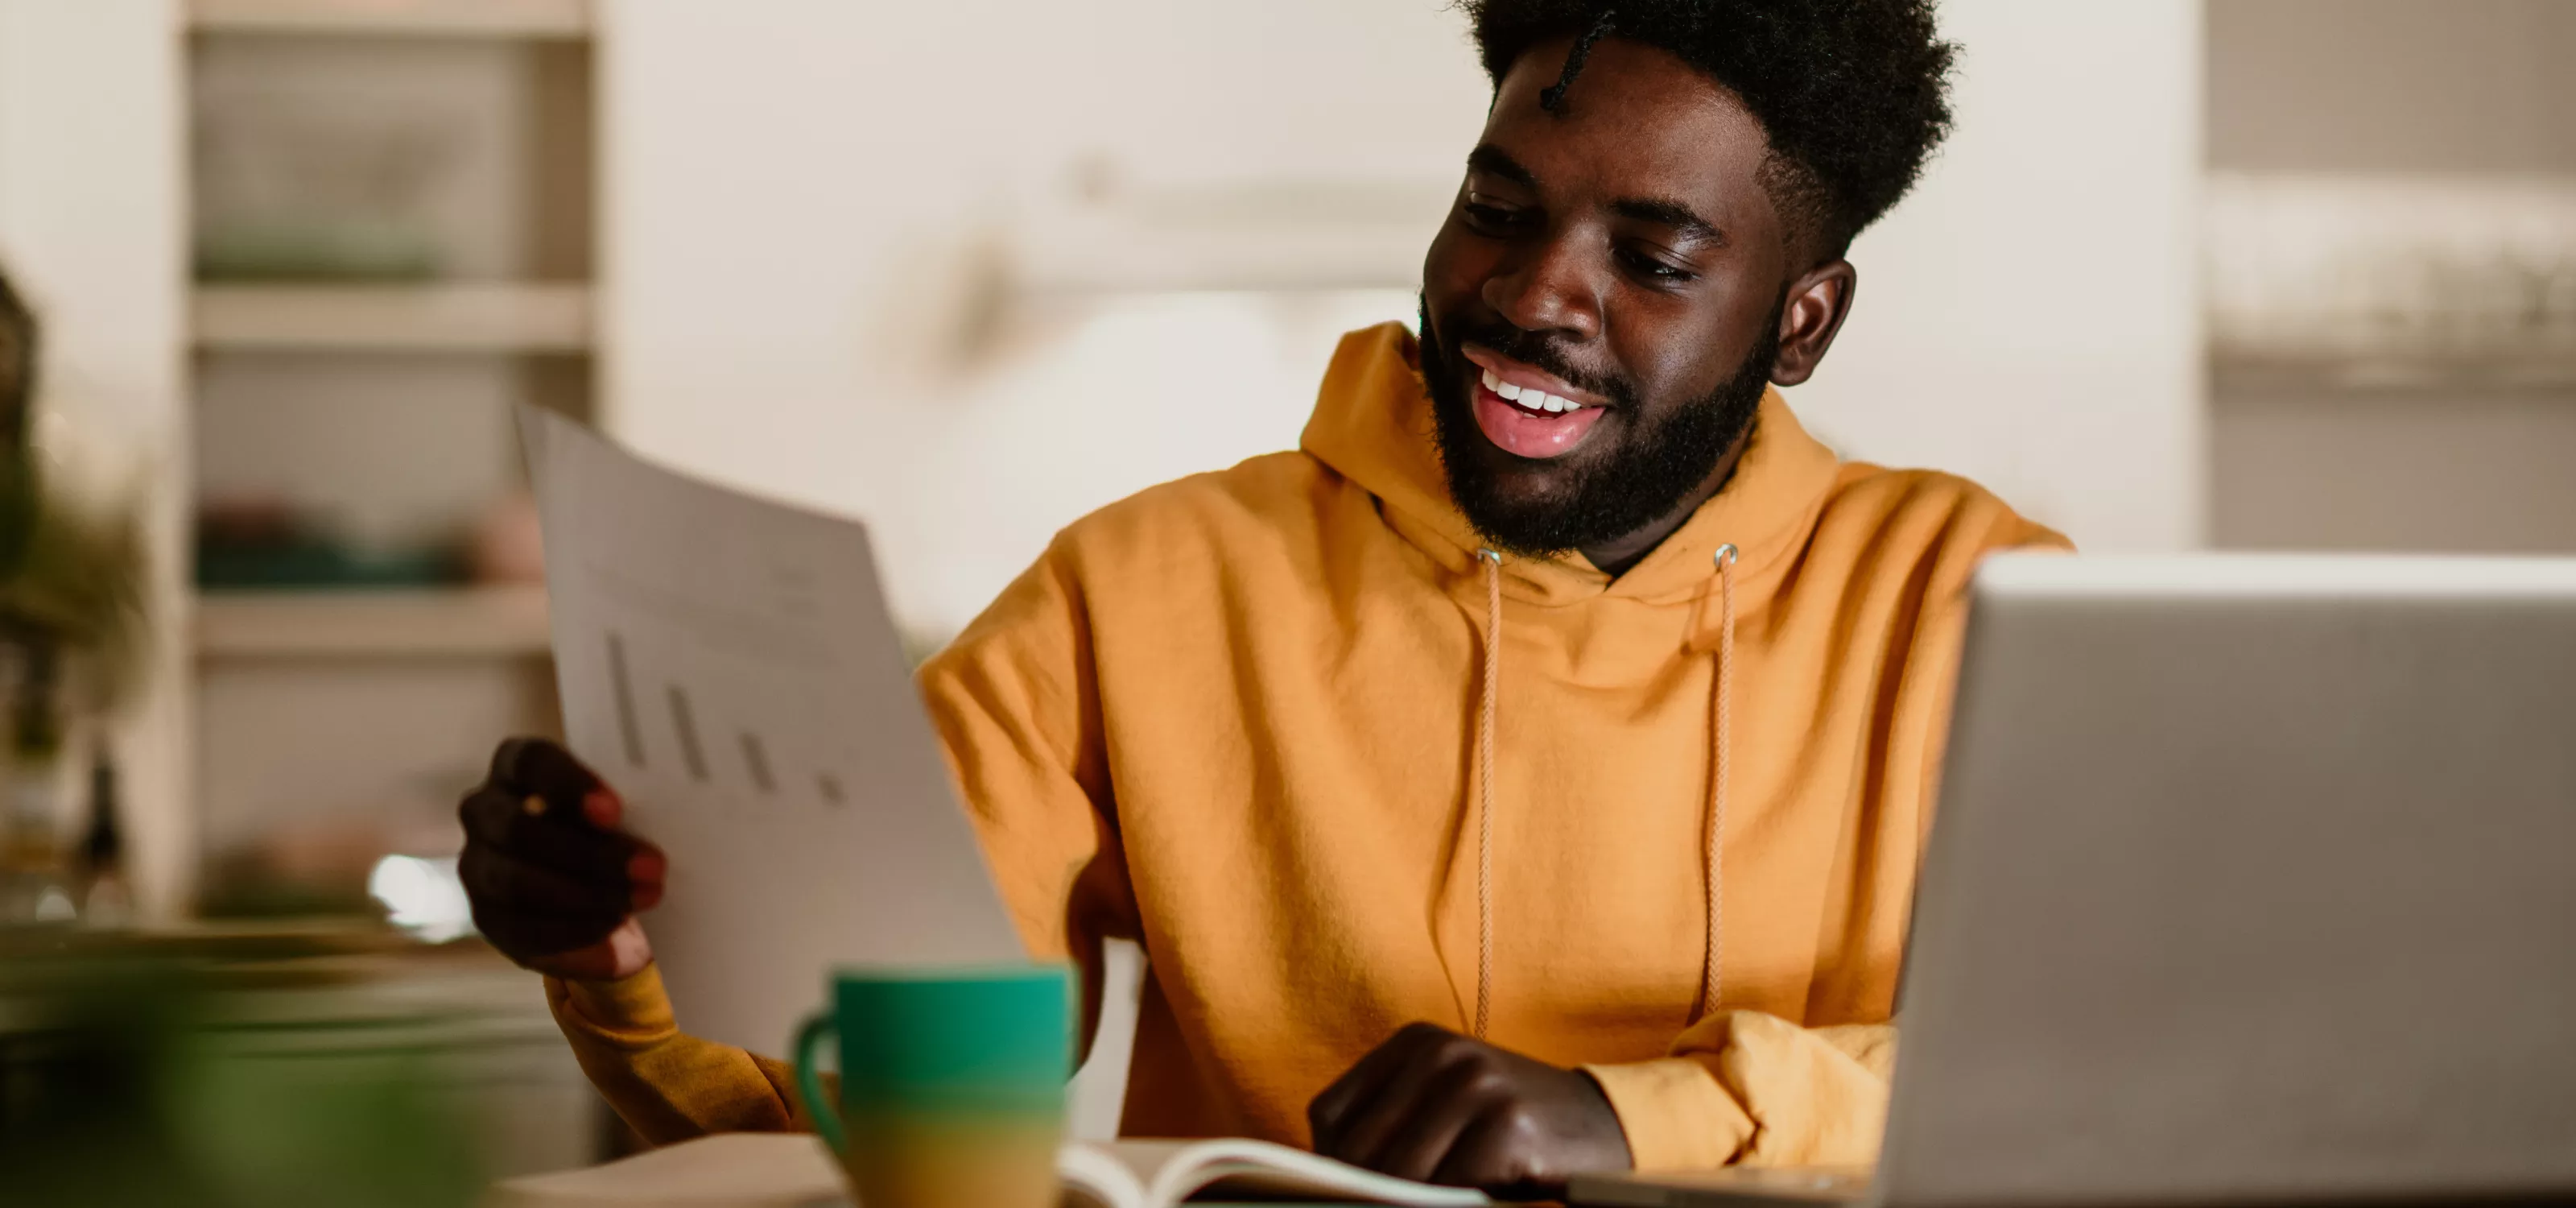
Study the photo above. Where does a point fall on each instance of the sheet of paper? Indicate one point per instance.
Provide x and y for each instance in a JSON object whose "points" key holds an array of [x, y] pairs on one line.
{"points": [[729, 665]]}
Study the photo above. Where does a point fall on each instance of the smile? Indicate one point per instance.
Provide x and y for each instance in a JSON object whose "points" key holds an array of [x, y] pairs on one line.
{"points": [[1527, 412], [1530, 398]]}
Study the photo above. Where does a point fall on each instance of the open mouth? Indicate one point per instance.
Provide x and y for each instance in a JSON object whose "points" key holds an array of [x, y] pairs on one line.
{"points": [[1529, 413], [1530, 398]]}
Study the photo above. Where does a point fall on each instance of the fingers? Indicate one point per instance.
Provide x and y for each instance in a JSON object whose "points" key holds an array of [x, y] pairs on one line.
{"points": [[1491, 1149], [552, 880], [1416, 1135], [1327, 1116], [500, 879], [502, 819], [1434, 1106], [528, 910], [542, 767]]}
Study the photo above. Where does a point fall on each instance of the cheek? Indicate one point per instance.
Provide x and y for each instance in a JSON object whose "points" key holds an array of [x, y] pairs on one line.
{"points": [[1455, 268], [1671, 352], [1685, 348]]}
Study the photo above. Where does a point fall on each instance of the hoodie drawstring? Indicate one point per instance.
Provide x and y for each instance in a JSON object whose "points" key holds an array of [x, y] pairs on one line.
{"points": [[1721, 724], [1485, 789]]}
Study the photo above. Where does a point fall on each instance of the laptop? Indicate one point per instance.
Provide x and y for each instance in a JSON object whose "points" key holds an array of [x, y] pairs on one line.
{"points": [[2254, 882]]}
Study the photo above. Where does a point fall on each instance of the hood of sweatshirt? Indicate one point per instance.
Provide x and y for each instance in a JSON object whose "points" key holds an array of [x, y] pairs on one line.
{"points": [[1373, 425]]}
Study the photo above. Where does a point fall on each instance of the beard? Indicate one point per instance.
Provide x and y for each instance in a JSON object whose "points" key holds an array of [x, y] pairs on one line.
{"points": [[1641, 480]]}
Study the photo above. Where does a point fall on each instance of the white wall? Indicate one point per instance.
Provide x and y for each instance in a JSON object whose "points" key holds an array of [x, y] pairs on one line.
{"points": [[2392, 86], [2030, 316], [91, 228], [789, 186], [2421, 88], [2402, 469]]}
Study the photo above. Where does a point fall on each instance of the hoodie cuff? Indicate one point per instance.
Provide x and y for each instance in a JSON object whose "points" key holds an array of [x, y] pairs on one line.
{"points": [[1675, 1113], [630, 1012]]}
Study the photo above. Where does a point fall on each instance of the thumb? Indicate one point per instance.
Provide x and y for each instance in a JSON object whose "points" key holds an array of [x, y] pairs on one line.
{"points": [[623, 954]]}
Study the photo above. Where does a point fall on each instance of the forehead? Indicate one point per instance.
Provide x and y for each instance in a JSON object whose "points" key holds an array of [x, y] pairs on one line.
{"points": [[1638, 123]]}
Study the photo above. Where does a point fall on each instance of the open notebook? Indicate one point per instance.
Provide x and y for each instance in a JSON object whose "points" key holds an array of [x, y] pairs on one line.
{"points": [[791, 1170]]}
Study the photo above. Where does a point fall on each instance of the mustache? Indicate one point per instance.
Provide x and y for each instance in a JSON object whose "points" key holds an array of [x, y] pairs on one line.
{"points": [[1538, 352]]}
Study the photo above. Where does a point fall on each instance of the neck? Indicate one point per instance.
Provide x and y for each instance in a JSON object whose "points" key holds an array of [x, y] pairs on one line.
{"points": [[1616, 556]]}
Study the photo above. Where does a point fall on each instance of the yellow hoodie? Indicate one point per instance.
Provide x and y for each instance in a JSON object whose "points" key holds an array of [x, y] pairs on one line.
{"points": [[1262, 720]]}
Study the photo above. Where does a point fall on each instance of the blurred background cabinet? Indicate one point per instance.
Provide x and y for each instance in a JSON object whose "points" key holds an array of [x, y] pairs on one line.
{"points": [[392, 225]]}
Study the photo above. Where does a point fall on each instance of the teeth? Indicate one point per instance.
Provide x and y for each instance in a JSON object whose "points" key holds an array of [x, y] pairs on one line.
{"points": [[1530, 398]]}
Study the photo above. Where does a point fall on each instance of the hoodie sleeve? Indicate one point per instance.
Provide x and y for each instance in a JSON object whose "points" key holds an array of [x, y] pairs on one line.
{"points": [[1751, 1089], [666, 1084], [1016, 702], [1017, 709]]}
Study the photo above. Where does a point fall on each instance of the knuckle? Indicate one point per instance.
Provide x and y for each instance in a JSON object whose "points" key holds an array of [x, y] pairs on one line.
{"points": [[1420, 1032], [1517, 1123], [505, 759], [1461, 1053], [475, 810], [1484, 1081]]}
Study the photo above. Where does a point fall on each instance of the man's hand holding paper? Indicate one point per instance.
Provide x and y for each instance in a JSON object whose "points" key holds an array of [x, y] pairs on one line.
{"points": [[555, 883]]}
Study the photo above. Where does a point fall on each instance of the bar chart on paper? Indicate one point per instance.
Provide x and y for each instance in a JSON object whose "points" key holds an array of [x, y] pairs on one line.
{"points": [[728, 663], [759, 782]]}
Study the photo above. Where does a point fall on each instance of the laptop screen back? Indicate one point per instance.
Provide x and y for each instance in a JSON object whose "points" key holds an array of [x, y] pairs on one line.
{"points": [[2254, 880]]}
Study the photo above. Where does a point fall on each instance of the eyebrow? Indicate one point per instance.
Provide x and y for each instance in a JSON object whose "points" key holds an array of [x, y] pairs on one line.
{"points": [[1685, 222], [1663, 212], [1494, 161]]}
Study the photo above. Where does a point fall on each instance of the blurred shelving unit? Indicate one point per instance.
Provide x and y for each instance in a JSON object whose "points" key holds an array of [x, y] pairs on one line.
{"points": [[391, 208], [2366, 376], [542, 317], [482, 622], [393, 245], [395, 18]]}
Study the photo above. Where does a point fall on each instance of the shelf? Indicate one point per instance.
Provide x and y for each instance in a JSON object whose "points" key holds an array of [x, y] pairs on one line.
{"points": [[396, 18], [393, 318], [2246, 373], [460, 622]]}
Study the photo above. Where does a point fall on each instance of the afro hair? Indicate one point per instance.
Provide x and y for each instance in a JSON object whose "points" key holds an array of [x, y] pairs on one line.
{"points": [[1852, 93]]}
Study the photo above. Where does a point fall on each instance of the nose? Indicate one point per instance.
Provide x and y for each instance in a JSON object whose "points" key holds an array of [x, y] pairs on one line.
{"points": [[1550, 288]]}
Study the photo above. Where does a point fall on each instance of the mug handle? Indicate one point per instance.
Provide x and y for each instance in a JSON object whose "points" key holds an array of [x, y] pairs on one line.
{"points": [[809, 1084]]}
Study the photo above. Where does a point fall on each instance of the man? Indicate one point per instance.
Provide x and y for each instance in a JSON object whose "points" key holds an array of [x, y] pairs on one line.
{"points": [[1526, 775]]}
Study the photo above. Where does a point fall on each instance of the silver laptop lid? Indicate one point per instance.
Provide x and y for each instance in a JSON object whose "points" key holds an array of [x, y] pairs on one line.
{"points": [[2254, 880]]}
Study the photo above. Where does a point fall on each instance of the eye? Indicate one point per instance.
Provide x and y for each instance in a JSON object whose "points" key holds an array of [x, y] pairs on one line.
{"points": [[1486, 217], [1653, 269]]}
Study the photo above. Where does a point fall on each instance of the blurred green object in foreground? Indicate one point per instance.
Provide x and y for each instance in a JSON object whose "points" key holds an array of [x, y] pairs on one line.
{"points": [[131, 1076]]}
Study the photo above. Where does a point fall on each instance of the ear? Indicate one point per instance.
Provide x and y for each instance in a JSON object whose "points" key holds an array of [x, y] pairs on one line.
{"points": [[1814, 313]]}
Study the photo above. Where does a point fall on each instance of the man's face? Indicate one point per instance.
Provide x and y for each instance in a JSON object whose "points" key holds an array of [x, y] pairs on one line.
{"points": [[1621, 257]]}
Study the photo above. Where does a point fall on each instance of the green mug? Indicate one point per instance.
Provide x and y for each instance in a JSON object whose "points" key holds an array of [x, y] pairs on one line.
{"points": [[952, 1087]]}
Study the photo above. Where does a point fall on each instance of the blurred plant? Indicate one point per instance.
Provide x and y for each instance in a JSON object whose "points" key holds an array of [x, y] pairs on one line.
{"points": [[71, 582], [71, 607]]}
